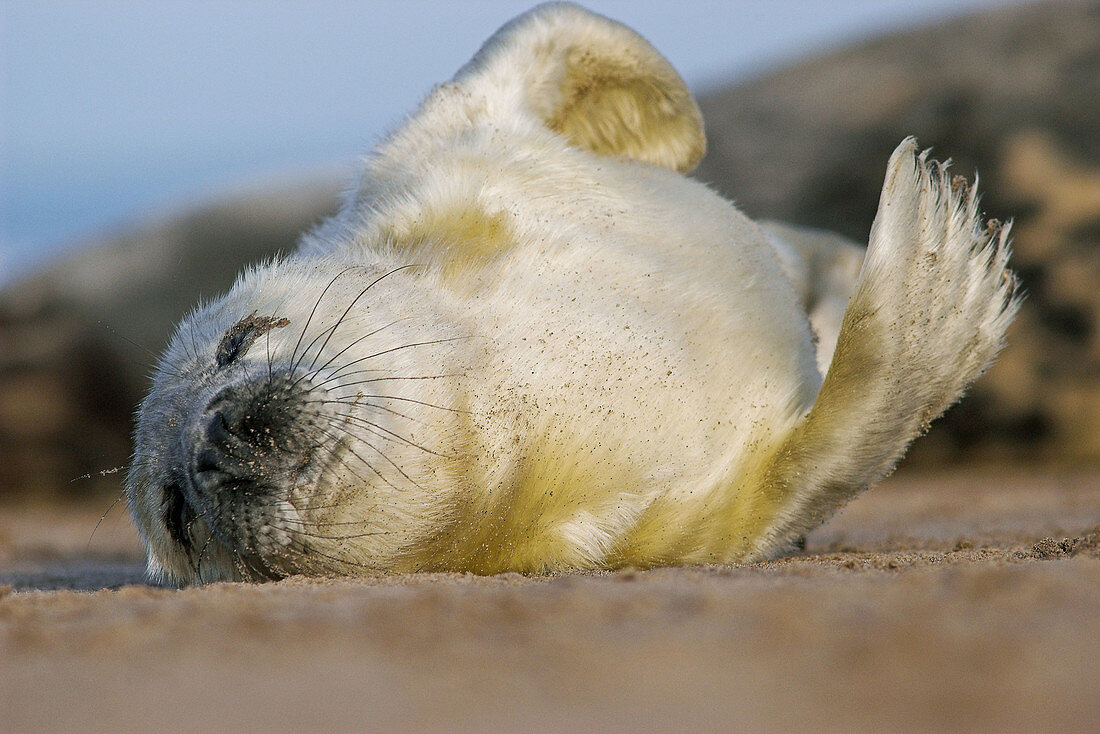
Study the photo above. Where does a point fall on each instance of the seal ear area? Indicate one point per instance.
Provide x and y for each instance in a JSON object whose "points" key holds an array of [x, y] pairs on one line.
{"points": [[593, 80]]}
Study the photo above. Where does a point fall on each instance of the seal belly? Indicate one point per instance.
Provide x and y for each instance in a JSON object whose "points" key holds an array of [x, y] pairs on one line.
{"points": [[610, 428]]}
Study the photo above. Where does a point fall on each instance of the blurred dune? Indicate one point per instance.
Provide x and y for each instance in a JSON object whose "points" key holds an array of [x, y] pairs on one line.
{"points": [[1012, 92]]}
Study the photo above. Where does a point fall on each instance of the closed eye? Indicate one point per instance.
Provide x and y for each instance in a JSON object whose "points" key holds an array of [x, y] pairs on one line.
{"points": [[239, 338]]}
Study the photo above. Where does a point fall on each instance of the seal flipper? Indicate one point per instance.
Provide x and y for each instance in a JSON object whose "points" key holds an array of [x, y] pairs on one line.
{"points": [[931, 305], [592, 80]]}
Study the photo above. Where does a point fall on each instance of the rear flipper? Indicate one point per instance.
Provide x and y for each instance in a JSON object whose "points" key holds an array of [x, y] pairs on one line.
{"points": [[928, 315]]}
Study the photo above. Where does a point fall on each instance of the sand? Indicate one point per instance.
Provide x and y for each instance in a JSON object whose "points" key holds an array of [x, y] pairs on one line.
{"points": [[966, 602]]}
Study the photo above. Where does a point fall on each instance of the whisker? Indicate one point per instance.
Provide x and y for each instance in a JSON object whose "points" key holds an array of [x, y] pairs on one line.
{"points": [[129, 341], [406, 346], [210, 537], [370, 466], [313, 312], [344, 561], [339, 354], [364, 423], [366, 463], [395, 397], [153, 363], [315, 524], [198, 562], [121, 495], [352, 403], [395, 378], [344, 315], [353, 373], [317, 536]]}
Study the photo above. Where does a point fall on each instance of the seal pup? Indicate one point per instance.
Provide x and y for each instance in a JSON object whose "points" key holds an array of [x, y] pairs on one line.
{"points": [[529, 342]]}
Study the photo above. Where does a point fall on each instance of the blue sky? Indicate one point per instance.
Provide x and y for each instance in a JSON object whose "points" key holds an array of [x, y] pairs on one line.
{"points": [[113, 110]]}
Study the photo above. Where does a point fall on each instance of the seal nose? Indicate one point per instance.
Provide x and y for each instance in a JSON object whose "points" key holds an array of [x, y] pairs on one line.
{"points": [[240, 426], [252, 413], [217, 444], [250, 430]]}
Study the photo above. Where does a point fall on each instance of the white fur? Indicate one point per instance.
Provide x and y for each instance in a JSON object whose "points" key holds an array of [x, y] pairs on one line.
{"points": [[823, 267], [613, 364]]}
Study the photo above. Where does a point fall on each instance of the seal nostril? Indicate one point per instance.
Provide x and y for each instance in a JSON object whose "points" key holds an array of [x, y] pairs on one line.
{"points": [[208, 460], [218, 430]]}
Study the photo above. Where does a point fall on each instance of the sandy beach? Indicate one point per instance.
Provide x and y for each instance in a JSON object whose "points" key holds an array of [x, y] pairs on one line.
{"points": [[960, 602]]}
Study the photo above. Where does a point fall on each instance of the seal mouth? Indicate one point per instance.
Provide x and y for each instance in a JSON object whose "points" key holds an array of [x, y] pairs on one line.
{"points": [[178, 515], [254, 432]]}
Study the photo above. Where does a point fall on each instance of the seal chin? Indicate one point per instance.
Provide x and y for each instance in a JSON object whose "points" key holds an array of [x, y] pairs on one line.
{"points": [[255, 453]]}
